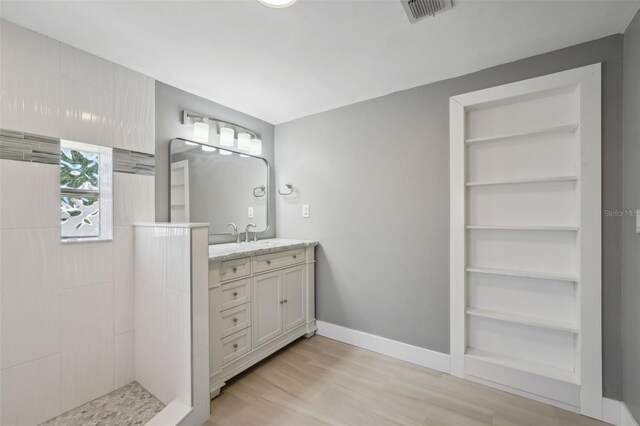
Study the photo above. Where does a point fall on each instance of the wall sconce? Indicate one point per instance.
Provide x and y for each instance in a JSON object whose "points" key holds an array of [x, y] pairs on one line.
{"points": [[200, 131], [226, 136], [244, 141], [256, 147]]}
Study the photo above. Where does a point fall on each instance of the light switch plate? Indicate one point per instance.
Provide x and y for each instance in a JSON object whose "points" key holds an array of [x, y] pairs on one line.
{"points": [[305, 210], [250, 214]]}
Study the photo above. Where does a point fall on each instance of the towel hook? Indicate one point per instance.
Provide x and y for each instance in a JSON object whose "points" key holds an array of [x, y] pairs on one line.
{"points": [[289, 186], [259, 188]]}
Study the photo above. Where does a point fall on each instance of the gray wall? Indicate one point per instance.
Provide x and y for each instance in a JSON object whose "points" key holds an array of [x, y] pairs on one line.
{"points": [[170, 102], [376, 175], [631, 240]]}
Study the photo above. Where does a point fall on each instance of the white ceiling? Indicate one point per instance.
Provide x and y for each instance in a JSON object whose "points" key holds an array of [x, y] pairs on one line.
{"points": [[282, 64]]}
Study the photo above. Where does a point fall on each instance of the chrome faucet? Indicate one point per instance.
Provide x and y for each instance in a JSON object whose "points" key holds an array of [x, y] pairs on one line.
{"points": [[235, 232], [246, 232]]}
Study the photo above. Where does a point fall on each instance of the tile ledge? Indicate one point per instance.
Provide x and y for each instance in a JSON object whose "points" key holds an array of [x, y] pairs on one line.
{"points": [[170, 225]]}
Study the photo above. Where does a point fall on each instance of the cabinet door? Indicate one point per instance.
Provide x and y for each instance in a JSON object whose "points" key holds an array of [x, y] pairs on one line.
{"points": [[267, 307], [294, 297]]}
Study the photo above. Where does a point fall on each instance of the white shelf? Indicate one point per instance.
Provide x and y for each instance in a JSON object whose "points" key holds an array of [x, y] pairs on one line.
{"points": [[523, 365], [524, 319], [523, 228], [524, 274], [528, 180], [517, 136]]}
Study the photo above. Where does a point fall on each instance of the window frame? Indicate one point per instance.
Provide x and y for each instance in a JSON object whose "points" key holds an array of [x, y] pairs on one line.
{"points": [[104, 193]]}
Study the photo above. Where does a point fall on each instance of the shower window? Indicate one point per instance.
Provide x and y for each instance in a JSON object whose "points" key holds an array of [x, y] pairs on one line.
{"points": [[85, 192]]}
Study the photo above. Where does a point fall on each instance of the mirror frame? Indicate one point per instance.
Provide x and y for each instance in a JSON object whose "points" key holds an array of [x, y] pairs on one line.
{"points": [[268, 186]]}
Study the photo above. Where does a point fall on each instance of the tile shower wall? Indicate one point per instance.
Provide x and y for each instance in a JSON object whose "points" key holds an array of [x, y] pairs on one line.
{"points": [[66, 311]]}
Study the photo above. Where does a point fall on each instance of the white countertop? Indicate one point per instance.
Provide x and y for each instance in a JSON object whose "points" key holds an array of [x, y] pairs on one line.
{"points": [[234, 250]]}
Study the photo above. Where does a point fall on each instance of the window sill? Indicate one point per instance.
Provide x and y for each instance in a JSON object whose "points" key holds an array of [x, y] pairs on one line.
{"points": [[85, 240]]}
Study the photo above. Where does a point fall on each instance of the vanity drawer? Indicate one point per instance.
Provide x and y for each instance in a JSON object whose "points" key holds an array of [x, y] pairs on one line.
{"points": [[236, 293], [266, 262], [236, 345], [236, 268], [236, 319]]}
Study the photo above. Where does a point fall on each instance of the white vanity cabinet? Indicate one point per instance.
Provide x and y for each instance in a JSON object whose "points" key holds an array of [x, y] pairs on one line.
{"points": [[261, 298]]}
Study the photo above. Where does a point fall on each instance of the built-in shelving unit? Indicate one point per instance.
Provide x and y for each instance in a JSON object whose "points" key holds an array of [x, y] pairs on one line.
{"points": [[519, 364], [524, 319], [525, 237], [180, 191], [523, 135], [546, 179], [523, 274], [523, 228]]}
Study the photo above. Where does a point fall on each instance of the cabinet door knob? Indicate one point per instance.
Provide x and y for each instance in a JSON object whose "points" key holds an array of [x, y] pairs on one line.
{"points": [[295, 256], [268, 262], [235, 269], [235, 320], [235, 293], [285, 300], [281, 302], [235, 346]]}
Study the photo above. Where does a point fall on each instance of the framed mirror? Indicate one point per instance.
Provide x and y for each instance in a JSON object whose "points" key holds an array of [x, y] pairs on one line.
{"points": [[218, 186]]}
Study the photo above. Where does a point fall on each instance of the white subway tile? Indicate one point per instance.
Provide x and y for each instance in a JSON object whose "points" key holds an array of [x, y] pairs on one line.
{"points": [[123, 279], [133, 199], [31, 392], [30, 81], [179, 345], [87, 263], [125, 358], [30, 305], [152, 366], [88, 344], [86, 113], [30, 195], [80, 66], [134, 111], [178, 257]]}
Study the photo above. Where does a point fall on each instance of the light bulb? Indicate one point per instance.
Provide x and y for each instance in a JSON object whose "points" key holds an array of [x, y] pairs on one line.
{"points": [[277, 3], [244, 141], [208, 148], [225, 152], [200, 131], [226, 136], [256, 147]]}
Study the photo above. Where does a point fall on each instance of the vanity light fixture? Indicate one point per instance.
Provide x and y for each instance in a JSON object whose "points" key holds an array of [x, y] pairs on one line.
{"points": [[244, 141], [208, 148], [226, 136], [225, 152], [277, 3], [200, 131], [256, 147]]}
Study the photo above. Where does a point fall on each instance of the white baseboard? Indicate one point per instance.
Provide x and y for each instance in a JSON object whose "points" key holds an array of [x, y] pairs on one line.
{"points": [[413, 354], [616, 413]]}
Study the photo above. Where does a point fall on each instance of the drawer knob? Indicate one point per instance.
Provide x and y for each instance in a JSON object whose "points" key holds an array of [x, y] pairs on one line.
{"points": [[235, 269], [235, 320], [268, 262], [235, 293], [235, 346], [281, 302], [295, 256], [285, 300]]}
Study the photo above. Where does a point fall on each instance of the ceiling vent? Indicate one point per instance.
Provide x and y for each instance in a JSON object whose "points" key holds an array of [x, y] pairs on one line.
{"points": [[420, 9]]}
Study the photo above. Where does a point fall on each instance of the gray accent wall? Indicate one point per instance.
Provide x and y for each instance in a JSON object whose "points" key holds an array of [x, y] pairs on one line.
{"points": [[376, 175], [170, 102], [630, 239]]}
